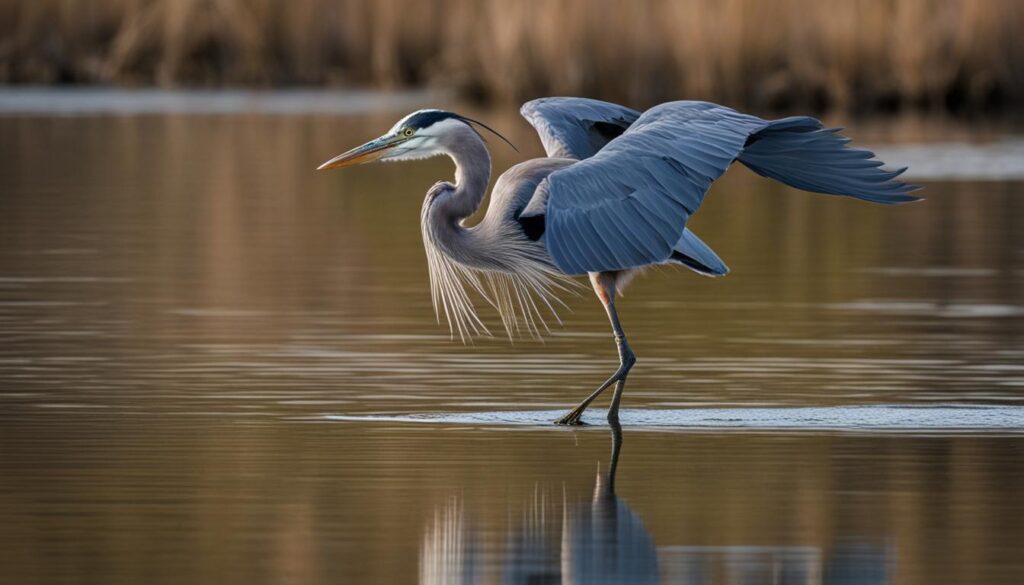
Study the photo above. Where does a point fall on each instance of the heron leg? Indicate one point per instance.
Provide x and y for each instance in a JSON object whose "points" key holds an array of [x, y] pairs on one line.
{"points": [[604, 285]]}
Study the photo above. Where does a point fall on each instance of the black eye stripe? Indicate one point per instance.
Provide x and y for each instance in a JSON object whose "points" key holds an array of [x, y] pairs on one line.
{"points": [[428, 118]]}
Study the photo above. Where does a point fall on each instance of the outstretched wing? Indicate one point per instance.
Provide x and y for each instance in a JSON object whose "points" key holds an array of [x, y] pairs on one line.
{"points": [[799, 152], [571, 127], [627, 205]]}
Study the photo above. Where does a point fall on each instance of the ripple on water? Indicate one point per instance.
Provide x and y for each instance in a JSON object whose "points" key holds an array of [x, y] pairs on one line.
{"points": [[883, 417]]}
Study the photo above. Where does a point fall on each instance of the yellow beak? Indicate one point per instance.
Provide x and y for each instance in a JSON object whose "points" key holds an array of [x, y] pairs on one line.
{"points": [[368, 152]]}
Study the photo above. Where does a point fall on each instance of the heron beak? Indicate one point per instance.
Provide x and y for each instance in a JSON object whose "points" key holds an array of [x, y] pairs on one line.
{"points": [[368, 152]]}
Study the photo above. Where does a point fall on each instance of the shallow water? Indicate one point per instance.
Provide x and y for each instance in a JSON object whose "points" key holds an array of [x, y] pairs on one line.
{"points": [[939, 418], [217, 365]]}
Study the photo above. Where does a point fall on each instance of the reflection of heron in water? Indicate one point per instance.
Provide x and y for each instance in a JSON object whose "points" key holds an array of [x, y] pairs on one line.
{"points": [[605, 541], [602, 541], [612, 197]]}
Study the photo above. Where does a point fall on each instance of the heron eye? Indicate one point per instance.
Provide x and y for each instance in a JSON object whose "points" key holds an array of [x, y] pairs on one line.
{"points": [[408, 132]]}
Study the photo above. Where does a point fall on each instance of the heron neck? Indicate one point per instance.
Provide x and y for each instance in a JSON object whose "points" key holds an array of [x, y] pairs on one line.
{"points": [[443, 212], [472, 173]]}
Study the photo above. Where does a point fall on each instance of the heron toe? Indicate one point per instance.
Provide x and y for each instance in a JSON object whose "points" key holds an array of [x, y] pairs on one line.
{"points": [[573, 418]]}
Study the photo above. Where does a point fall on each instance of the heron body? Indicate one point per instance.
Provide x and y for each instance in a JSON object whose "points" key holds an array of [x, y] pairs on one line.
{"points": [[612, 197]]}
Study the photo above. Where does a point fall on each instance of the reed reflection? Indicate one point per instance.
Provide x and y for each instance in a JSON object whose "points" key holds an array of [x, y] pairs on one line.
{"points": [[603, 541]]}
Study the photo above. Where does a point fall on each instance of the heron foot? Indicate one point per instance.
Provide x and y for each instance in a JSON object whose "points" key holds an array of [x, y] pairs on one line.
{"points": [[573, 417]]}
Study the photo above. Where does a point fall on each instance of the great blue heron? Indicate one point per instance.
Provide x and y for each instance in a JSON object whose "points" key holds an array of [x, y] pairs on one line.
{"points": [[612, 197]]}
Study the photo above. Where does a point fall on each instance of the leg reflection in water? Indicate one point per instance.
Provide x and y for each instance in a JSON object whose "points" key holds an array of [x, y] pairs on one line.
{"points": [[605, 541], [601, 541]]}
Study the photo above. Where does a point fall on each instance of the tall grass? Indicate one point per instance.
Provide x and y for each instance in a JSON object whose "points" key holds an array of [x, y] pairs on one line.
{"points": [[754, 53]]}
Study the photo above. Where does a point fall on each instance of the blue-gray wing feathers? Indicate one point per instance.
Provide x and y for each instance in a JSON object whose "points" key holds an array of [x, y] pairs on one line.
{"points": [[571, 127], [801, 153], [627, 204], [692, 252]]}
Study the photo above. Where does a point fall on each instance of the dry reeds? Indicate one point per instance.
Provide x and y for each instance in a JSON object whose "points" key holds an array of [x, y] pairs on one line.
{"points": [[755, 53]]}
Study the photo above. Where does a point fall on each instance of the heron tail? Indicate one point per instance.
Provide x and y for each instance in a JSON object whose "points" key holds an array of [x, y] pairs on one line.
{"points": [[693, 253], [801, 153]]}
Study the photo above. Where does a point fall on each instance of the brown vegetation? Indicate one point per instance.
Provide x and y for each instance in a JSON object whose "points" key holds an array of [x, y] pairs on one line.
{"points": [[755, 53]]}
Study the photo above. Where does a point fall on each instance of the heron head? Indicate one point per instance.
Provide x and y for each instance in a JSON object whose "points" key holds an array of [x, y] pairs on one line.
{"points": [[419, 135]]}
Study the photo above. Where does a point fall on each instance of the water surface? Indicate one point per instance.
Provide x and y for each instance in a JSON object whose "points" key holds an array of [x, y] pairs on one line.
{"points": [[216, 365]]}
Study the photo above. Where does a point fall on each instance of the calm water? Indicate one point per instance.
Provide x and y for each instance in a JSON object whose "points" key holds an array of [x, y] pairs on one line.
{"points": [[218, 366]]}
